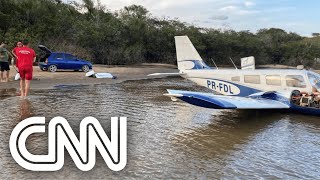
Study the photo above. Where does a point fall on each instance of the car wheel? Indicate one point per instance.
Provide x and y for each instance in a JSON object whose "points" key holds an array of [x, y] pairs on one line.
{"points": [[43, 69], [52, 68], [85, 68]]}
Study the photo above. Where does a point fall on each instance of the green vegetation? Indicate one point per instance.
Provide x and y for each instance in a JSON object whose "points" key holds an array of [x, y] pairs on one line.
{"points": [[132, 35]]}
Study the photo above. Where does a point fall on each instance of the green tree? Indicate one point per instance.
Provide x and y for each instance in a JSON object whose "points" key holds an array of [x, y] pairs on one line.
{"points": [[132, 35]]}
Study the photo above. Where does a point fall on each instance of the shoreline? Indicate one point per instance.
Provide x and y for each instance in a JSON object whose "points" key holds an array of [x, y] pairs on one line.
{"points": [[48, 80]]}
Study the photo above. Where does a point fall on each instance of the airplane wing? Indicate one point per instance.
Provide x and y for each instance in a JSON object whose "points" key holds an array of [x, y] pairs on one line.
{"points": [[269, 100], [166, 74]]}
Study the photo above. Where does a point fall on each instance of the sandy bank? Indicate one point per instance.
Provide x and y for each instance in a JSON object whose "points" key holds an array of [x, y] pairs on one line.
{"points": [[48, 80]]}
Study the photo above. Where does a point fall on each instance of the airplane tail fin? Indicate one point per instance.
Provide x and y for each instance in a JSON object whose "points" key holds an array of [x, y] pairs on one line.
{"points": [[188, 57]]}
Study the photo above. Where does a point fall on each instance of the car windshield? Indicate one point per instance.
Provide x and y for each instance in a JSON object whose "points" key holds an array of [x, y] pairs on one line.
{"points": [[314, 80]]}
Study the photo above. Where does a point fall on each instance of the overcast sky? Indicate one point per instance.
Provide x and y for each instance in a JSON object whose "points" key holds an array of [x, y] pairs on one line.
{"points": [[300, 16]]}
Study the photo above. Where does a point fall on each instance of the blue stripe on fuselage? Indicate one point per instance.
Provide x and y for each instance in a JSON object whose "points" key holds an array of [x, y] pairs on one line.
{"points": [[244, 90]]}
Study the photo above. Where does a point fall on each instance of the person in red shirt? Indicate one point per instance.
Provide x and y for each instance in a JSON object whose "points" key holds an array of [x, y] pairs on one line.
{"points": [[15, 51], [25, 58]]}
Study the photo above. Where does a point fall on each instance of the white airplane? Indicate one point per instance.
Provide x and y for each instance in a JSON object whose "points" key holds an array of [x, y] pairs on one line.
{"points": [[290, 89]]}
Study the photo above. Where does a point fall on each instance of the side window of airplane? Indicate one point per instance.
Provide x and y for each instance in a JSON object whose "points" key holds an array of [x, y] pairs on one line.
{"points": [[273, 80], [295, 81], [252, 79], [235, 79]]}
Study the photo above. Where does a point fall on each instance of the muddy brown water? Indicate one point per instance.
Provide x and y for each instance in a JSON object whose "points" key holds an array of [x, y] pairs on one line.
{"points": [[166, 139]]}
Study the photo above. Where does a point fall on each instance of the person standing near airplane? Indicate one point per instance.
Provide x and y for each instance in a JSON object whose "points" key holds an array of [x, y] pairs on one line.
{"points": [[15, 51], [25, 58], [19, 45], [4, 62]]}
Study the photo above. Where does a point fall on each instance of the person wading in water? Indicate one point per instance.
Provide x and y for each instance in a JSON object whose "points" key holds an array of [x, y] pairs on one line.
{"points": [[25, 58]]}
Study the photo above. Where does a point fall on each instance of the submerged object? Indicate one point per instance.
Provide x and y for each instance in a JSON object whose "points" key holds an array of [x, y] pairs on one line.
{"points": [[104, 75], [90, 73], [100, 75]]}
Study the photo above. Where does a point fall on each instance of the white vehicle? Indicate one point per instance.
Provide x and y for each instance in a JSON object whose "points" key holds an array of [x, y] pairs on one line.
{"points": [[247, 88]]}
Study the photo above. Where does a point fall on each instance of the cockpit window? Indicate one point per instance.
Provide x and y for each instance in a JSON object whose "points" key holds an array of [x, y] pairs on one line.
{"points": [[295, 81], [314, 79]]}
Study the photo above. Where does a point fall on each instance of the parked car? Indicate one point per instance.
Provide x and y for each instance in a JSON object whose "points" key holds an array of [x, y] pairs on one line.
{"points": [[52, 61]]}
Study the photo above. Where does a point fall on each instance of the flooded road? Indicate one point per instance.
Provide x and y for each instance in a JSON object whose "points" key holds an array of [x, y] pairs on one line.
{"points": [[168, 139]]}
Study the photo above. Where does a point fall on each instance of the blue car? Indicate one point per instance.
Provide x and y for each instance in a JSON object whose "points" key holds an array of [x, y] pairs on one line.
{"points": [[52, 61]]}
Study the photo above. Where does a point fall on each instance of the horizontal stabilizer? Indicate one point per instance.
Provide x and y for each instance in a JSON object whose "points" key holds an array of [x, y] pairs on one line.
{"points": [[166, 74], [208, 100]]}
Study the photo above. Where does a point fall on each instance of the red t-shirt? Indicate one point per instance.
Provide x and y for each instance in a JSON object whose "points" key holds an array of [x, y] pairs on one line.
{"points": [[25, 56], [15, 50]]}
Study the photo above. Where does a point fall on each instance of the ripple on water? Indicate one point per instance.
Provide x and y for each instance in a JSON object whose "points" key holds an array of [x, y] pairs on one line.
{"points": [[169, 139]]}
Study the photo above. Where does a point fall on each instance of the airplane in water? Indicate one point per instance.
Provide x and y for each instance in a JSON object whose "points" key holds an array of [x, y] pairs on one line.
{"points": [[295, 90]]}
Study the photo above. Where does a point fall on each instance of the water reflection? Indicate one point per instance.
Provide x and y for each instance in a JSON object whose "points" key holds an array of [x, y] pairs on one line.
{"points": [[168, 140], [6, 93], [223, 133], [25, 109]]}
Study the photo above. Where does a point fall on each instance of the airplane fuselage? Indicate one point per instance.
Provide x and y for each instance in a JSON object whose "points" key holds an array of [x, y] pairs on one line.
{"points": [[247, 88], [243, 83]]}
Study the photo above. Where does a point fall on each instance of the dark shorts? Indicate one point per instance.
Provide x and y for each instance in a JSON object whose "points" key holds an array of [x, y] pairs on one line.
{"points": [[4, 66]]}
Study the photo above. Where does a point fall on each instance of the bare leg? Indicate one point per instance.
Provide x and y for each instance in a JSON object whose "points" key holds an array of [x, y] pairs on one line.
{"points": [[1, 76], [22, 87], [7, 77], [27, 87]]}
